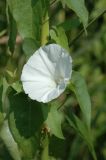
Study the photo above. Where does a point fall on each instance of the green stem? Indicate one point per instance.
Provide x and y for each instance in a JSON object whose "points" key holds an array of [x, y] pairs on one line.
{"points": [[52, 2], [83, 30], [45, 152], [93, 152], [45, 30]]}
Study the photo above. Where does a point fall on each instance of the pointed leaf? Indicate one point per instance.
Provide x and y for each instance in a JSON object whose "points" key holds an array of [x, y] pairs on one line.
{"points": [[29, 46], [27, 146], [28, 114], [54, 121], [78, 86], [84, 132], [78, 6], [1, 119], [12, 32], [23, 15], [1, 91]]}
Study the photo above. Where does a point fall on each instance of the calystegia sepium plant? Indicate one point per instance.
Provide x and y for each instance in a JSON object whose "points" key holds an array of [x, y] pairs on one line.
{"points": [[45, 107]]}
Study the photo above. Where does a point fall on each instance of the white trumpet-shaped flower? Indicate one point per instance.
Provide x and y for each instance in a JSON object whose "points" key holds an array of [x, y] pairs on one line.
{"points": [[47, 73]]}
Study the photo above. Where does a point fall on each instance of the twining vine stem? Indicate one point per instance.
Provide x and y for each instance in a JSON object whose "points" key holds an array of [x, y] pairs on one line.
{"points": [[83, 30]]}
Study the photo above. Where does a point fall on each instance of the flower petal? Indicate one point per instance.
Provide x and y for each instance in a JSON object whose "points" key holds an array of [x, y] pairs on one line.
{"points": [[53, 52], [41, 62], [39, 91], [63, 67], [30, 73]]}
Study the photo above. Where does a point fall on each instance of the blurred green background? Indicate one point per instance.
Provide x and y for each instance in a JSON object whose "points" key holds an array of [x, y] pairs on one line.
{"points": [[89, 58]]}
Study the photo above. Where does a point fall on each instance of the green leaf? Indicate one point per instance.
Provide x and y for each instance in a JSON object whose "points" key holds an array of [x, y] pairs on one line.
{"points": [[27, 146], [17, 86], [54, 121], [78, 6], [1, 119], [78, 86], [30, 46], [60, 149], [1, 91], [76, 148], [38, 13], [3, 32], [33, 2], [83, 131], [58, 34], [23, 15], [79, 126], [28, 114], [69, 24], [12, 32], [40, 10]]}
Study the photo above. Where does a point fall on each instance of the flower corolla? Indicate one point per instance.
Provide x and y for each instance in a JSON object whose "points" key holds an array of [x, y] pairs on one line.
{"points": [[47, 73]]}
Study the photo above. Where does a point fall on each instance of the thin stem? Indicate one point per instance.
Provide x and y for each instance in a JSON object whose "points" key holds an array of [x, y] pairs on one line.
{"points": [[62, 103], [45, 151], [45, 30], [49, 18], [83, 30], [52, 2]]}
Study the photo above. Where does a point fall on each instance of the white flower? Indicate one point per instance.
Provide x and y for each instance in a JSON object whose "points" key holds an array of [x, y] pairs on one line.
{"points": [[47, 73]]}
